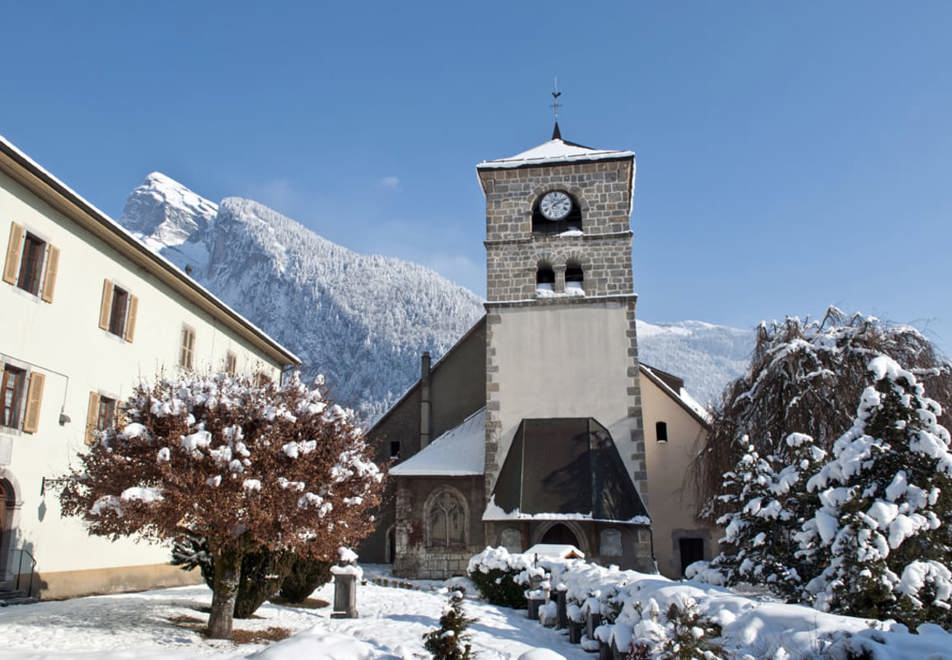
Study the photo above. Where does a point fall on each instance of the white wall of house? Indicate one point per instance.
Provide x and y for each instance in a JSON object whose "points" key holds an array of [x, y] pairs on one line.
{"points": [[672, 499], [62, 341]]}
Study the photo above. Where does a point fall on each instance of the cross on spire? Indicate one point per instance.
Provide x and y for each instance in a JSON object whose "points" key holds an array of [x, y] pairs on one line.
{"points": [[556, 133]]}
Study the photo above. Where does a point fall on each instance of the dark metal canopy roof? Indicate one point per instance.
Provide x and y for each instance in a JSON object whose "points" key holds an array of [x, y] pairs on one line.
{"points": [[567, 466]]}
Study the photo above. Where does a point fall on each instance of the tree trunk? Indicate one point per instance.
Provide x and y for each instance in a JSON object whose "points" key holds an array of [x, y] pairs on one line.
{"points": [[224, 592]]}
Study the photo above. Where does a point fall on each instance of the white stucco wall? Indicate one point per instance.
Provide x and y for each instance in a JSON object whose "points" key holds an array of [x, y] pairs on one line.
{"points": [[62, 339], [672, 500], [564, 361]]}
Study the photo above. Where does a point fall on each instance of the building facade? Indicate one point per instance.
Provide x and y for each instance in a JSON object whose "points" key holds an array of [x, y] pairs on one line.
{"points": [[532, 429], [89, 312]]}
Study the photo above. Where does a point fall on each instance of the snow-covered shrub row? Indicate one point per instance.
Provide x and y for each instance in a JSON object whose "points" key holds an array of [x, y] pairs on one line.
{"points": [[502, 577], [656, 617], [863, 533]]}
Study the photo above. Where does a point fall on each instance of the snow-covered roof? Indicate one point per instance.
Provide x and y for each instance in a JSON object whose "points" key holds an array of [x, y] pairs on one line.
{"points": [[459, 452], [128, 240], [682, 396], [553, 151], [555, 550]]}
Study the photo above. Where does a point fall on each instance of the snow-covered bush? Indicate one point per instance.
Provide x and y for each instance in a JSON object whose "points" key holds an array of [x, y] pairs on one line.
{"points": [[806, 377], [245, 465], [502, 577], [886, 502], [450, 641]]}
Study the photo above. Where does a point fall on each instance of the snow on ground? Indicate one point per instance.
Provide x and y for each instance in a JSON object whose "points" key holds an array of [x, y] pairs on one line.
{"points": [[391, 624]]}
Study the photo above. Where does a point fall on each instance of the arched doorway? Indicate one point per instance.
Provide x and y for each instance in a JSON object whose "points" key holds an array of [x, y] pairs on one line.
{"points": [[559, 534]]}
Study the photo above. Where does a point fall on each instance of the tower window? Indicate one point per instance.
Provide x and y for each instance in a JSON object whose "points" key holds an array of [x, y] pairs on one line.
{"points": [[545, 280], [661, 431], [574, 280], [394, 449], [556, 212]]}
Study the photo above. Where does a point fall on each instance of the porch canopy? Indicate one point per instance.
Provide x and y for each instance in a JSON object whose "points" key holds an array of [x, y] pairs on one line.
{"points": [[565, 468]]}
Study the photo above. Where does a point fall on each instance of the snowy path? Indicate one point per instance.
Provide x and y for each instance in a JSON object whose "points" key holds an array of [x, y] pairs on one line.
{"points": [[392, 621]]}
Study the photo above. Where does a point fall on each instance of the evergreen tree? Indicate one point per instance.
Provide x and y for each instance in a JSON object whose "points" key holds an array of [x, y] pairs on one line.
{"points": [[885, 502], [450, 641]]}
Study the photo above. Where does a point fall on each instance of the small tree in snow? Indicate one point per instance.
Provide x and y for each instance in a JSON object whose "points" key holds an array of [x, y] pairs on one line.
{"points": [[245, 466], [886, 501], [450, 641]]}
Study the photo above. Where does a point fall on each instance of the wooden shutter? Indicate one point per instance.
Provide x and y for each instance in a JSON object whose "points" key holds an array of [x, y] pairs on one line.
{"points": [[131, 318], [49, 277], [92, 417], [11, 267], [105, 306], [34, 401]]}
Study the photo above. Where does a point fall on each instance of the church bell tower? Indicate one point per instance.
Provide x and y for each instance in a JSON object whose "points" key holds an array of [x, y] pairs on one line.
{"points": [[560, 331]]}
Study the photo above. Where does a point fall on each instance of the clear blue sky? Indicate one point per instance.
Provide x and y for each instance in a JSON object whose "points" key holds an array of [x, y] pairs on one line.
{"points": [[791, 155]]}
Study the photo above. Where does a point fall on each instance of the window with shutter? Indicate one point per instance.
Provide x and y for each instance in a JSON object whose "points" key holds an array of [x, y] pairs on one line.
{"points": [[231, 363], [187, 348], [49, 277], [34, 403], [131, 318], [105, 305], [11, 265], [11, 396], [105, 414], [92, 417]]}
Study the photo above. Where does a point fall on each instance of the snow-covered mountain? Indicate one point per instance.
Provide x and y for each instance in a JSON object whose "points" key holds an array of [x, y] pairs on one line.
{"points": [[705, 355], [362, 320]]}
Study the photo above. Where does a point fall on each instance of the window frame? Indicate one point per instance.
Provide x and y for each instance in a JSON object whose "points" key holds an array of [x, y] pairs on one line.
{"points": [[31, 267], [115, 327], [111, 406], [661, 432], [231, 363], [20, 396]]}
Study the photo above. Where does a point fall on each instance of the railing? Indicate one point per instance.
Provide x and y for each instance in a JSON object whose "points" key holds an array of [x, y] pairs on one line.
{"points": [[24, 551]]}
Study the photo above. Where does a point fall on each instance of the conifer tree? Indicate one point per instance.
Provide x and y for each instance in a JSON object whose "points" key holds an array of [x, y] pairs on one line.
{"points": [[886, 500], [450, 641]]}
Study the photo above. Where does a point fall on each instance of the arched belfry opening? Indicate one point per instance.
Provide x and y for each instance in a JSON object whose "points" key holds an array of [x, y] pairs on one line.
{"points": [[574, 278], [545, 279], [556, 212]]}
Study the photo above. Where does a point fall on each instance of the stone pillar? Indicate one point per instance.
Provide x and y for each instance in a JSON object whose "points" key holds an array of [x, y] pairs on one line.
{"points": [[345, 596], [559, 278]]}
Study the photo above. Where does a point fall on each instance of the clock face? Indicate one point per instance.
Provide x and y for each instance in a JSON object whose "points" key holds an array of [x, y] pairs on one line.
{"points": [[555, 205]]}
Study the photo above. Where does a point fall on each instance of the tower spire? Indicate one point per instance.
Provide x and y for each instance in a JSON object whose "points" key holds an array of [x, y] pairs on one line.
{"points": [[556, 133]]}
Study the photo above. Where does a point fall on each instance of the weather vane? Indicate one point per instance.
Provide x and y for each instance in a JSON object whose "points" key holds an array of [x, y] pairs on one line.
{"points": [[555, 99]]}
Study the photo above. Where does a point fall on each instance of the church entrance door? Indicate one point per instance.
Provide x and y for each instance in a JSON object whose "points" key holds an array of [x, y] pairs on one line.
{"points": [[559, 534]]}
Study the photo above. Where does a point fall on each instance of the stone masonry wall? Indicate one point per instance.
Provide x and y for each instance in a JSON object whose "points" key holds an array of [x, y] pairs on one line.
{"points": [[603, 191]]}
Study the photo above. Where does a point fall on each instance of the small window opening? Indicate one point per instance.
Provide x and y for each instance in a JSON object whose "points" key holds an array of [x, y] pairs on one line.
{"points": [[545, 280], [11, 396], [119, 311], [31, 265], [661, 431], [394, 449]]}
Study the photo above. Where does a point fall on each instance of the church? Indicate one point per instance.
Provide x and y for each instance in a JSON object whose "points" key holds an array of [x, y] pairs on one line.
{"points": [[541, 425]]}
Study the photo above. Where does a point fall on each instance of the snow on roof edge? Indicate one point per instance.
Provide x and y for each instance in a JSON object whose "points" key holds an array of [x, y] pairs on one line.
{"points": [[455, 439], [683, 397], [103, 217]]}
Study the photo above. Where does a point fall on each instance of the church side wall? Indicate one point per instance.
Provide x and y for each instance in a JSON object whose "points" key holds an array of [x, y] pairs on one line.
{"points": [[672, 497]]}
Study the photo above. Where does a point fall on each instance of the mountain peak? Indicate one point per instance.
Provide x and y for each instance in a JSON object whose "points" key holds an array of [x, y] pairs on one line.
{"points": [[164, 213]]}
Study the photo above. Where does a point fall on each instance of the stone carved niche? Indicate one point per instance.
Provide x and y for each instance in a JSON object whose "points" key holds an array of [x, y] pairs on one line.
{"points": [[511, 539], [446, 520], [610, 543]]}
